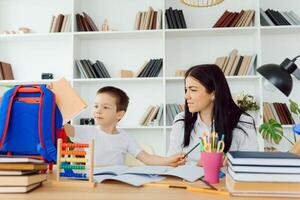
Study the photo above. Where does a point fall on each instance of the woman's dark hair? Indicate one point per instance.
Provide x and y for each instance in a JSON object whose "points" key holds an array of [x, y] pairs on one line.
{"points": [[226, 114]]}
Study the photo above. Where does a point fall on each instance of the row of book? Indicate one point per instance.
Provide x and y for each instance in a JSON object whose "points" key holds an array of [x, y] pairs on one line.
{"points": [[235, 64], [263, 174], [277, 111], [6, 72], [271, 17], [61, 23], [172, 111], [20, 175], [153, 116], [88, 69], [85, 22], [150, 68], [175, 18], [146, 20], [236, 19]]}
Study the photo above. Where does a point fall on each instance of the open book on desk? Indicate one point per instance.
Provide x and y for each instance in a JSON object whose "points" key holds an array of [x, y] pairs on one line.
{"points": [[140, 175]]}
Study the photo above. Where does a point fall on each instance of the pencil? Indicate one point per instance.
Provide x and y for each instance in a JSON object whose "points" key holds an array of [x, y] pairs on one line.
{"points": [[191, 150], [204, 190]]}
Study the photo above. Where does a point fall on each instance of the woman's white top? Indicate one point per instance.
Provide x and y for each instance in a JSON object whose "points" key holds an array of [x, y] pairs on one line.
{"points": [[240, 140]]}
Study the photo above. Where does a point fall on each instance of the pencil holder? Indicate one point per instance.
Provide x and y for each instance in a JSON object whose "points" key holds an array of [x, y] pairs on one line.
{"points": [[212, 163]]}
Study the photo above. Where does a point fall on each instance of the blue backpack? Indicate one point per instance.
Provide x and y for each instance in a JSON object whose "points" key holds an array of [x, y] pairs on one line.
{"points": [[29, 122]]}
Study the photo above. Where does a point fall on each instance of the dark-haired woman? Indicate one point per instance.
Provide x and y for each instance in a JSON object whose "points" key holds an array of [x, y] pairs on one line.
{"points": [[209, 107]]}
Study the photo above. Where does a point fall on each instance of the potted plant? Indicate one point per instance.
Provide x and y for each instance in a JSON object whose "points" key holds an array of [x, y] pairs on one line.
{"points": [[272, 130], [246, 102]]}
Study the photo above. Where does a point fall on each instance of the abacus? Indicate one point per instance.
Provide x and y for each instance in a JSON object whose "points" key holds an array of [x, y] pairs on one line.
{"points": [[70, 158]]}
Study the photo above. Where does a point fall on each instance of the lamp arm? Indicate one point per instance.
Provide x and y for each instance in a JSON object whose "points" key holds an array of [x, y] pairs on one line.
{"points": [[296, 73], [294, 59]]}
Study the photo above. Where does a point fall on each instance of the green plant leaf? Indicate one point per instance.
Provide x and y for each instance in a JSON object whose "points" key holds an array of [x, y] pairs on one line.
{"points": [[271, 131], [294, 107]]}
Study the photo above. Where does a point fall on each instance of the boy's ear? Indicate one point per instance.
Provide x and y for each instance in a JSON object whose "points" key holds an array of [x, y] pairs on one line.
{"points": [[120, 114]]}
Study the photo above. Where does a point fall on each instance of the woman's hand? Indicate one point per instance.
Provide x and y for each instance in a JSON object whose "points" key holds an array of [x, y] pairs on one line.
{"points": [[176, 160]]}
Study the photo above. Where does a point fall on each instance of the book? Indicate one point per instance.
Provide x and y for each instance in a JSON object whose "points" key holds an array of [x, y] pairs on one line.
{"points": [[23, 166], [7, 72], [90, 22], [68, 101], [146, 173], [263, 177], [264, 169], [264, 19], [263, 158], [19, 189], [244, 188], [17, 172], [22, 180], [15, 159]]}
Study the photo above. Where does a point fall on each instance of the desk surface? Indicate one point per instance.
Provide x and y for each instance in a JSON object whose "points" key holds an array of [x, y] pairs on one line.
{"points": [[115, 190]]}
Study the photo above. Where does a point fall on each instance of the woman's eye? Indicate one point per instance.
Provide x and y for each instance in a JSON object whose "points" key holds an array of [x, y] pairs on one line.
{"points": [[96, 107]]}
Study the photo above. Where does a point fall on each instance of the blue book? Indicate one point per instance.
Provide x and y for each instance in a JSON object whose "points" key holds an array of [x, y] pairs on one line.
{"points": [[263, 158]]}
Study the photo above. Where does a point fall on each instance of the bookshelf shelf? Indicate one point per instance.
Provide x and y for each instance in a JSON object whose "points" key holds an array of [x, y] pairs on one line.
{"points": [[34, 36], [40, 51], [210, 32], [93, 80], [281, 29], [119, 34]]}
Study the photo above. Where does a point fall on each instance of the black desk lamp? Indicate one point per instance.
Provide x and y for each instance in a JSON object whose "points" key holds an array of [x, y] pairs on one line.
{"points": [[280, 77]]}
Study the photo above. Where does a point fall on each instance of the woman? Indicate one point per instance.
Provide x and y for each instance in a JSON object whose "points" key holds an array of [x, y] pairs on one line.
{"points": [[209, 107]]}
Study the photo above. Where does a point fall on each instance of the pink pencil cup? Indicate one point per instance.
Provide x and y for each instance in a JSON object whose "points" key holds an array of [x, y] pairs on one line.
{"points": [[212, 163]]}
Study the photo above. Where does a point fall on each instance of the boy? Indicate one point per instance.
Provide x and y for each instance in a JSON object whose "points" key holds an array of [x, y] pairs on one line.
{"points": [[111, 144]]}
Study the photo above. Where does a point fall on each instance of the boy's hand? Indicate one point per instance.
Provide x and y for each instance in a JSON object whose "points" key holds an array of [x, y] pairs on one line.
{"points": [[69, 129], [176, 160]]}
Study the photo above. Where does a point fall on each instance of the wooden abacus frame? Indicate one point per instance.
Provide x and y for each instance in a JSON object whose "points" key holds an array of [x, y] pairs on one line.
{"points": [[60, 152]]}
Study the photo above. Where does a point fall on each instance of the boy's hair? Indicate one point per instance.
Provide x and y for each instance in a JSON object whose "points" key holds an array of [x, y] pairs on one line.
{"points": [[122, 99]]}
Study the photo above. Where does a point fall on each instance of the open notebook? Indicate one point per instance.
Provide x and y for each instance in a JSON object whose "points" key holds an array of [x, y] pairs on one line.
{"points": [[140, 175]]}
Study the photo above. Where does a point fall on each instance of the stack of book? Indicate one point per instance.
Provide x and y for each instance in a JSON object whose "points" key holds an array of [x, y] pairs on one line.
{"points": [[236, 65], [175, 18], [89, 70], [20, 175], [263, 174], [150, 68], [85, 23], [277, 111], [153, 116], [275, 18], [172, 111], [6, 72], [60, 23], [236, 19], [147, 20]]}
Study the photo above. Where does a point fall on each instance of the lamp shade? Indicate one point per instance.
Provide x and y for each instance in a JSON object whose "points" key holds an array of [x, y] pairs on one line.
{"points": [[278, 76]]}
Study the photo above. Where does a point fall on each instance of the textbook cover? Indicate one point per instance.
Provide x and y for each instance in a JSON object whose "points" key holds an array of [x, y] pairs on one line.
{"points": [[68, 101]]}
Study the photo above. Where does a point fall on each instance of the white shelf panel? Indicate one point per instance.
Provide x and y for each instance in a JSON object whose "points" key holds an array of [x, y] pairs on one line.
{"points": [[280, 29], [34, 36], [119, 34], [97, 80], [227, 77], [211, 32]]}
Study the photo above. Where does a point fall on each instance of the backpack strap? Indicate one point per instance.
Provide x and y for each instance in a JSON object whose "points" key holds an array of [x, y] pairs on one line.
{"points": [[47, 124], [5, 108]]}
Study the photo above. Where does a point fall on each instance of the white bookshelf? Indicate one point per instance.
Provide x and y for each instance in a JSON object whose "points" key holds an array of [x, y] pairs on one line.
{"points": [[125, 48]]}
